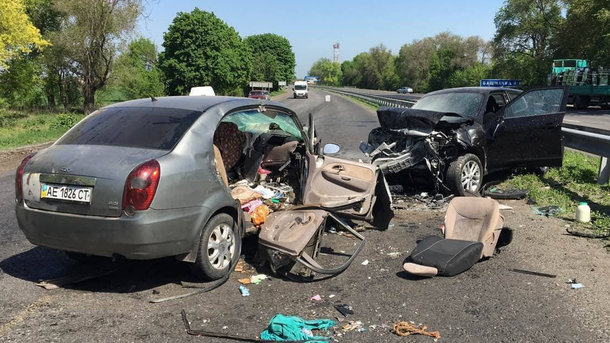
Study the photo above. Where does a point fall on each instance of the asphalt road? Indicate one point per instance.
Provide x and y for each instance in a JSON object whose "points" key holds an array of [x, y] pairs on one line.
{"points": [[488, 303]]}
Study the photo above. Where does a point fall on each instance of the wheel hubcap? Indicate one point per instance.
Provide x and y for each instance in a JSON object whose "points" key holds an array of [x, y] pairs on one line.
{"points": [[221, 246], [471, 176]]}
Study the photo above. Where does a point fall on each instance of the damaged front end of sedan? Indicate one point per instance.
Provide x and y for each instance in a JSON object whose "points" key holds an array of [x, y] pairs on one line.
{"points": [[418, 143]]}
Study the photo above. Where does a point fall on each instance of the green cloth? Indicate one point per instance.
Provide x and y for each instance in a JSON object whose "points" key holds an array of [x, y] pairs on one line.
{"points": [[288, 328]]}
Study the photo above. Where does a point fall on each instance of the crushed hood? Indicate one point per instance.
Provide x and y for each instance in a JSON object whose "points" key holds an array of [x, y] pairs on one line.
{"points": [[408, 118]]}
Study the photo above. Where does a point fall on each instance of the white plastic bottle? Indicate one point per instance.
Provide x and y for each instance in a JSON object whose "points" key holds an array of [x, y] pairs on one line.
{"points": [[583, 212]]}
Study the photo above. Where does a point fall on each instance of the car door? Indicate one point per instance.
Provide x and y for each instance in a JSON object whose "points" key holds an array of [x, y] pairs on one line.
{"points": [[529, 130]]}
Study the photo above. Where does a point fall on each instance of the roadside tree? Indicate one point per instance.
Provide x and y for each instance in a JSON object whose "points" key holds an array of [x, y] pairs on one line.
{"points": [[328, 72], [92, 32], [202, 50], [272, 58], [522, 43], [136, 73]]}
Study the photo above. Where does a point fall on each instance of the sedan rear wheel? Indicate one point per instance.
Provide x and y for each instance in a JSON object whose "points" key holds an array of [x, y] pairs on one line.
{"points": [[219, 248], [465, 175]]}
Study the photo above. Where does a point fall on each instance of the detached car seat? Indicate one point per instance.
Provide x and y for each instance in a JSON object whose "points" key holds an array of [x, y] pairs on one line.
{"points": [[472, 229]]}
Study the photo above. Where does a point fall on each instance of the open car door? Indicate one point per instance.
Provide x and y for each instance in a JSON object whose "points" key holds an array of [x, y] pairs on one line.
{"points": [[530, 127], [340, 185]]}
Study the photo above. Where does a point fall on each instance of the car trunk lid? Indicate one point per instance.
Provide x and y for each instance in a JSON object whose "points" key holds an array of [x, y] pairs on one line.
{"points": [[72, 171]]}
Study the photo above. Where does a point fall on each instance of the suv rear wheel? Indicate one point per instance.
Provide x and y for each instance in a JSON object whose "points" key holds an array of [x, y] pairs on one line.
{"points": [[465, 175], [219, 248]]}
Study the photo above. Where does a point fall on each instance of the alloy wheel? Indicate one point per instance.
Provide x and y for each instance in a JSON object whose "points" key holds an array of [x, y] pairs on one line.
{"points": [[471, 176], [221, 246]]}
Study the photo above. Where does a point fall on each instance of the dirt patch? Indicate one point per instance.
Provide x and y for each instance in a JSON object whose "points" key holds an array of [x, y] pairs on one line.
{"points": [[10, 159]]}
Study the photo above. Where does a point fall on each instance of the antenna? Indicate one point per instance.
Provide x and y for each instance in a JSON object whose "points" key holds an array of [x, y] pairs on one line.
{"points": [[336, 52]]}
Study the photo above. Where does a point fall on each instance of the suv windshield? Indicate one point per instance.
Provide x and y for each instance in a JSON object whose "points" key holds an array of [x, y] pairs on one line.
{"points": [[463, 103], [134, 127]]}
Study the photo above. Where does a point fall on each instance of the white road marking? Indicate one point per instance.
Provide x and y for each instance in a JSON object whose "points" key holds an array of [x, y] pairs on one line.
{"points": [[572, 120]]}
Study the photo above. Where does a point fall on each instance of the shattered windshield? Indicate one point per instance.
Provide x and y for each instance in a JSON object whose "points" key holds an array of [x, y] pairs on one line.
{"points": [[462, 103], [257, 122]]}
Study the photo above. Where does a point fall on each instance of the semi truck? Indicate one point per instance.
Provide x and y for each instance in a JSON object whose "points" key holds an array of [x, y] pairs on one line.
{"points": [[587, 86]]}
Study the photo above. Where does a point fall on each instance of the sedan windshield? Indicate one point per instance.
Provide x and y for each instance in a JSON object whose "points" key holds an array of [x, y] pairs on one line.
{"points": [[462, 103]]}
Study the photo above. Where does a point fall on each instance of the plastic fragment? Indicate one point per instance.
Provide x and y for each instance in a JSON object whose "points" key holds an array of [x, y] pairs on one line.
{"points": [[257, 279], [365, 262], [316, 297], [244, 291]]}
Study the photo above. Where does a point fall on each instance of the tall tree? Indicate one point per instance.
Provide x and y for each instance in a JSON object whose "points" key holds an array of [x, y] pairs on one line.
{"points": [[586, 32], [524, 31], [328, 73], [93, 31], [201, 49], [17, 34], [272, 57], [136, 72]]}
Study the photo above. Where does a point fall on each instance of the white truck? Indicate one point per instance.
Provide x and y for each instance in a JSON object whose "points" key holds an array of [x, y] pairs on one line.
{"points": [[300, 89]]}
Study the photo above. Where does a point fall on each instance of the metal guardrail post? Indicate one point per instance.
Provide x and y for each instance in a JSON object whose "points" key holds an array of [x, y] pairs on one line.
{"points": [[604, 171]]}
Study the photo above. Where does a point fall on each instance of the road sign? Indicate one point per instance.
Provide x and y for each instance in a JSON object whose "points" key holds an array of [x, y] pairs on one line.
{"points": [[499, 83], [257, 84]]}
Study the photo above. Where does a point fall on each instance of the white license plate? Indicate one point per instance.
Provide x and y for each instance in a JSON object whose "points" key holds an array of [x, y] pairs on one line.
{"points": [[65, 192]]}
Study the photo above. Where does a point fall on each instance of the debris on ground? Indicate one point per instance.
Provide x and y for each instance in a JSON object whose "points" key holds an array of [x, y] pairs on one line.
{"points": [[547, 211], [351, 326], [365, 262], [257, 279], [588, 233], [244, 291], [505, 194], [282, 328], [316, 297], [407, 329], [344, 309], [430, 201], [574, 284], [505, 207], [394, 254], [528, 272], [242, 266], [78, 277]]}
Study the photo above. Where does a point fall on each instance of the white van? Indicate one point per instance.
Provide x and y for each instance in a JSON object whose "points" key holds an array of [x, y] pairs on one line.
{"points": [[300, 89]]}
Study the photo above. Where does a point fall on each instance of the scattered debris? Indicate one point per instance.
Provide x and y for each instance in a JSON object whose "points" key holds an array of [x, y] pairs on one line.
{"points": [[548, 211], [534, 273], [331, 296], [407, 329], [257, 279], [511, 193], [365, 262], [394, 254], [505, 207], [283, 328], [242, 266], [344, 309], [78, 277], [244, 281], [574, 284], [244, 291], [316, 297], [351, 326], [588, 233]]}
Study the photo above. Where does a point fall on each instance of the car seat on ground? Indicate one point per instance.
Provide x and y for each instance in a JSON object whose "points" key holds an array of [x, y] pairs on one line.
{"points": [[472, 229]]}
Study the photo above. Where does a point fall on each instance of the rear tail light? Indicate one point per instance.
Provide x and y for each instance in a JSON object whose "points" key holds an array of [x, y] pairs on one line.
{"points": [[19, 178], [141, 186]]}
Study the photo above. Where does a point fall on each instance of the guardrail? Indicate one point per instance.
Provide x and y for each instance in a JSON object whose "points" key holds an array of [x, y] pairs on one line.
{"points": [[376, 99], [590, 140]]}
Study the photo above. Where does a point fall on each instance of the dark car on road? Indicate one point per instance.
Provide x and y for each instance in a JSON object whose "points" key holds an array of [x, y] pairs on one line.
{"points": [[457, 136], [154, 177]]}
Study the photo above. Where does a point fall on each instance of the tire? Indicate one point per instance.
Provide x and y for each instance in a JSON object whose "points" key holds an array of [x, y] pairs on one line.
{"points": [[465, 175], [219, 248]]}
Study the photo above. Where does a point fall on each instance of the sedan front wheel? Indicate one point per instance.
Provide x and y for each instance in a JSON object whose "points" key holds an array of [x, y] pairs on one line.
{"points": [[465, 175]]}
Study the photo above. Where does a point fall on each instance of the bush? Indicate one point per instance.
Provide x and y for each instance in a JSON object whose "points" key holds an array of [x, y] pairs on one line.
{"points": [[64, 121]]}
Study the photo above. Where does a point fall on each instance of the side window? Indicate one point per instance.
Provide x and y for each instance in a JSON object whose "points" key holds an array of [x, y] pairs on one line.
{"points": [[536, 102]]}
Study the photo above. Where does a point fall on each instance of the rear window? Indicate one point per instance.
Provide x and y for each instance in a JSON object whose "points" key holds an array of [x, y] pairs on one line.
{"points": [[134, 127]]}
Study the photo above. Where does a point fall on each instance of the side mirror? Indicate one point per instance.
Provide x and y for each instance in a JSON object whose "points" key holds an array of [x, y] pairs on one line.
{"points": [[331, 148]]}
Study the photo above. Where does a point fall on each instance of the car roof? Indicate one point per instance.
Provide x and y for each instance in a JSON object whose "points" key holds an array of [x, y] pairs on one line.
{"points": [[482, 90], [194, 103]]}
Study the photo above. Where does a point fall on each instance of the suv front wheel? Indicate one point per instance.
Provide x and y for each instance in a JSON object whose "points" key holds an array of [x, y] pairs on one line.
{"points": [[465, 175]]}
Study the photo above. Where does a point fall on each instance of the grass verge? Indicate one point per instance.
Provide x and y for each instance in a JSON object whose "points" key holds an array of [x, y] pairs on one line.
{"points": [[20, 128], [565, 187]]}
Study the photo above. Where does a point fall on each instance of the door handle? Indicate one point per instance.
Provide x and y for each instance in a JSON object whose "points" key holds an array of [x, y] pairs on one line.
{"points": [[345, 178]]}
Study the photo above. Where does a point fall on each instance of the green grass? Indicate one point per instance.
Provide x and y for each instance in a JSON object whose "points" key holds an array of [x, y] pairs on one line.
{"points": [[278, 92], [22, 128], [565, 187]]}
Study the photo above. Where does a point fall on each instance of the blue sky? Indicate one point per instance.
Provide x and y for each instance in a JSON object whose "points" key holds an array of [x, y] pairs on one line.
{"points": [[313, 26]]}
